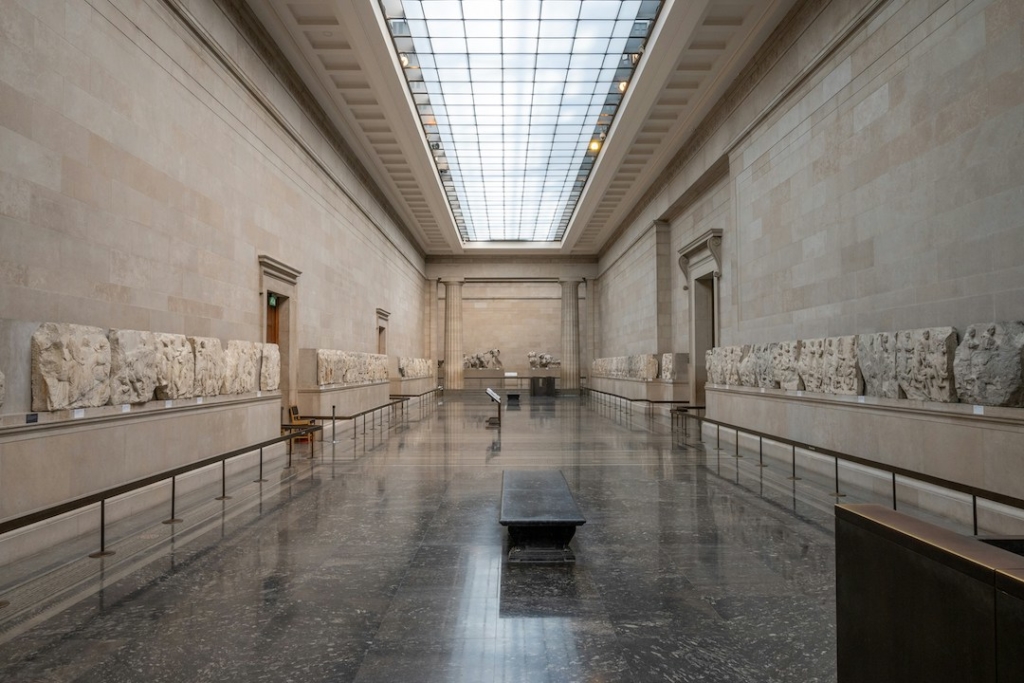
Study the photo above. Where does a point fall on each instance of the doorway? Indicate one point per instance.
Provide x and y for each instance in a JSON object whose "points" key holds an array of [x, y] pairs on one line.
{"points": [[705, 325]]}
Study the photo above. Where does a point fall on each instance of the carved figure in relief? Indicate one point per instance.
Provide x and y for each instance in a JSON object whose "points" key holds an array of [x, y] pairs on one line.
{"points": [[495, 360], [542, 360], [70, 367], [765, 367], [270, 367], [748, 368], [842, 372], [924, 364], [989, 365], [209, 368], [133, 366], [786, 365], [876, 357], [812, 365], [176, 367]]}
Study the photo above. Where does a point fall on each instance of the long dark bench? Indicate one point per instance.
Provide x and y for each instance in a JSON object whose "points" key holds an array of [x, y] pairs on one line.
{"points": [[541, 516]]}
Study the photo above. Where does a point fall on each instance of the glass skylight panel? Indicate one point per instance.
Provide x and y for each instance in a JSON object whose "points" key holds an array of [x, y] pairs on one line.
{"points": [[516, 98]]}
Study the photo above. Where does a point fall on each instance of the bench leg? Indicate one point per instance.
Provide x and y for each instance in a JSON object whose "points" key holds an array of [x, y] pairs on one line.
{"points": [[541, 544]]}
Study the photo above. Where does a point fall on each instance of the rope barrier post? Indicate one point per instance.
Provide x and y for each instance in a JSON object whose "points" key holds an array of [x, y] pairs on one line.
{"points": [[261, 479], [737, 454], [224, 481], [760, 451], [173, 519], [893, 490], [103, 552], [312, 448]]}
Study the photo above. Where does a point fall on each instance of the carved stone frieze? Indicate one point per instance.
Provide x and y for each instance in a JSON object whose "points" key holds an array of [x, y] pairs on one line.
{"points": [[133, 366], [989, 365], [812, 365], [414, 368], [786, 365], [270, 368], [350, 368], [175, 366], [876, 355], [70, 367], [241, 367], [924, 364], [674, 366], [842, 372], [756, 367], [209, 368], [641, 367]]}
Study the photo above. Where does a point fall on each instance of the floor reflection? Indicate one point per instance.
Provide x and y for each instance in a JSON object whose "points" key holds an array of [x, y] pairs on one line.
{"points": [[385, 562]]}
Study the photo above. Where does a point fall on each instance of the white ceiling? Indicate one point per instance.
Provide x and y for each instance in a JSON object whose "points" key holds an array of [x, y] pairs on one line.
{"points": [[343, 53]]}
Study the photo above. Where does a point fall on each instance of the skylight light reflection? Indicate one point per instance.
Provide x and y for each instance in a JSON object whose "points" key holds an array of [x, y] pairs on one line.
{"points": [[516, 98]]}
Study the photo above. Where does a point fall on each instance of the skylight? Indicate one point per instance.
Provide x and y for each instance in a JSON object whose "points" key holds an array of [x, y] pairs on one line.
{"points": [[516, 98]]}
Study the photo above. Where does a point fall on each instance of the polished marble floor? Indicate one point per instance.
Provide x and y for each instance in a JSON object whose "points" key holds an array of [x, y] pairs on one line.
{"points": [[382, 560]]}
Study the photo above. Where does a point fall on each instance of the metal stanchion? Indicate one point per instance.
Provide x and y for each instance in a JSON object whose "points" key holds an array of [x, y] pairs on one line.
{"points": [[261, 479], [223, 481], [173, 519], [103, 552]]}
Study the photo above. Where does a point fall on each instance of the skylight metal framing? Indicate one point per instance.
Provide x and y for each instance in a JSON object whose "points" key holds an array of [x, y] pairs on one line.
{"points": [[516, 98]]}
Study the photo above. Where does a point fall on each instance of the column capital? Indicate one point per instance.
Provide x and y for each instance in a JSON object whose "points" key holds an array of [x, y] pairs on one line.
{"points": [[571, 280], [454, 280]]}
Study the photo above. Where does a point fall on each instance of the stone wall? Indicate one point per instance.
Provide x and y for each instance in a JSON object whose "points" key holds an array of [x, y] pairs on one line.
{"points": [[122, 212], [986, 368]]}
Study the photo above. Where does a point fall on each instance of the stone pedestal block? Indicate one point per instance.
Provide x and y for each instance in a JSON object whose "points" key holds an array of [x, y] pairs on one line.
{"points": [[133, 366], [924, 364], [70, 367], [989, 365], [209, 365], [176, 367]]}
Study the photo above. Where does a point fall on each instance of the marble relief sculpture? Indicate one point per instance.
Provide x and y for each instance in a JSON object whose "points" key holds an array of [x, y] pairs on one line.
{"points": [[988, 365], [639, 367], [673, 366], [876, 355], [924, 364], [765, 367], [270, 368], [175, 366], [812, 365], [542, 360], [479, 361], [70, 367], [133, 366], [209, 367], [350, 368], [842, 372], [414, 368], [755, 369], [786, 365], [241, 368], [734, 356]]}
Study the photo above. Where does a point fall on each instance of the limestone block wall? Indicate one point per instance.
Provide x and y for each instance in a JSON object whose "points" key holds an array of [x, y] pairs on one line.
{"points": [[514, 317], [141, 181], [628, 297]]}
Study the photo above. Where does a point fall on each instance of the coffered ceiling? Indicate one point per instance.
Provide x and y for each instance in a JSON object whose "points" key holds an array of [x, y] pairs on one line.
{"points": [[342, 51]]}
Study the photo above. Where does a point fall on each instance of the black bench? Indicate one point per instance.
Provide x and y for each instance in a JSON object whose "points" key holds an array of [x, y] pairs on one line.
{"points": [[541, 516]]}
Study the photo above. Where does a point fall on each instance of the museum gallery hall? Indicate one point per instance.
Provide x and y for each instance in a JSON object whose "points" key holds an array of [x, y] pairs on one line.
{"points": [[512, 340]]}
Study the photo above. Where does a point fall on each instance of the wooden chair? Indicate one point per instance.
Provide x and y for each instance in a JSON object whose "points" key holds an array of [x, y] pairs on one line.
{"points": [[295, 419]]}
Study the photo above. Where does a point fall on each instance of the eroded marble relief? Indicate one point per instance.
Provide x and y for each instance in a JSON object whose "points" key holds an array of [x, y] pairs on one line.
{"points": [[241, 367], [209, 367], [674, 366], [786, 365], [842, 372], [175, 366], [270, 368], [734, 356], [924, 364], [876, 355], [133, 366], [812, 365], [988, 365], [350, 368], [70, 367], [414, 368]]}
